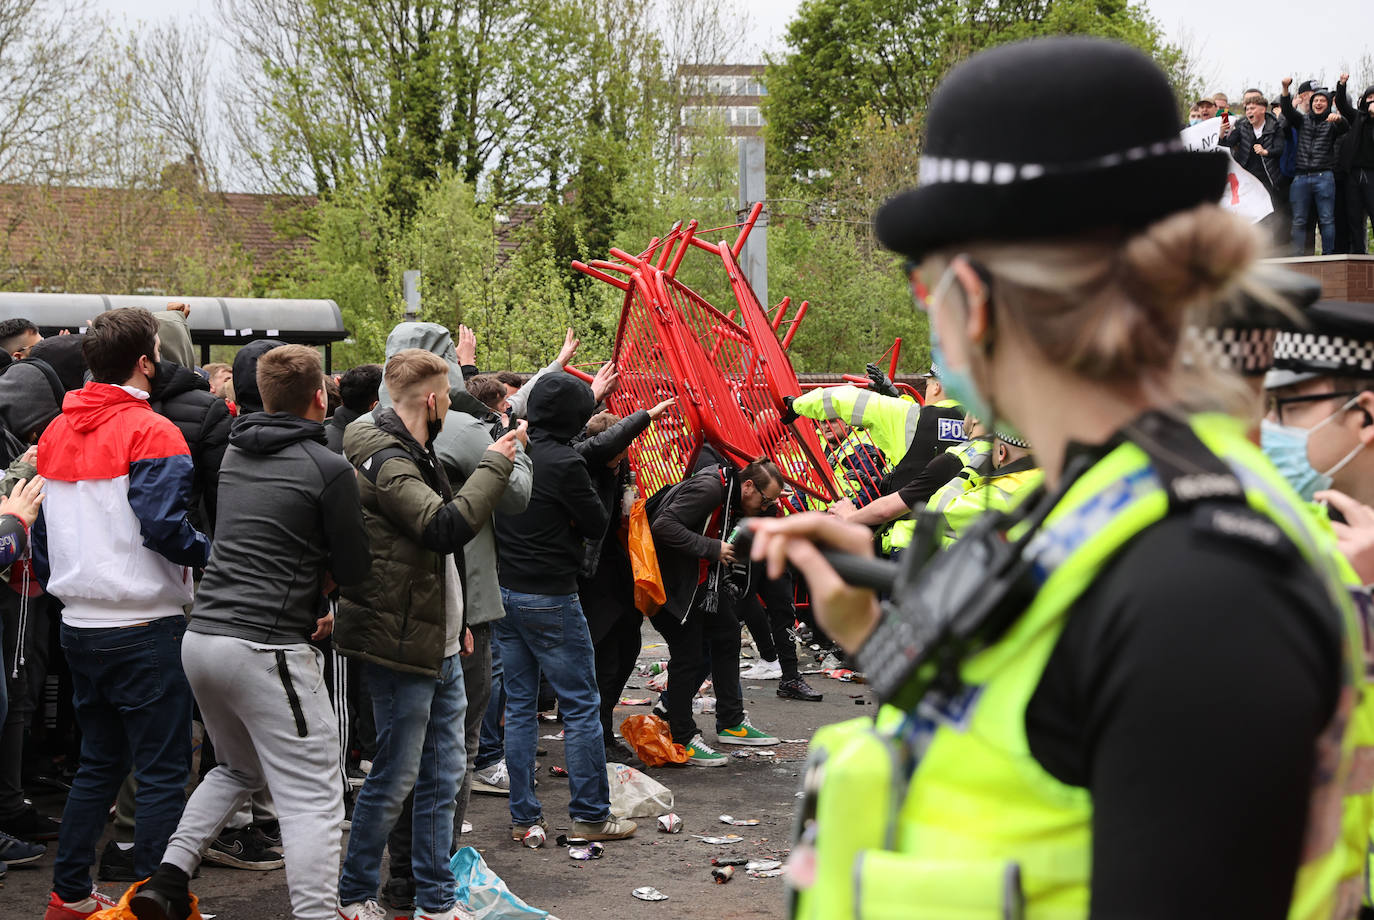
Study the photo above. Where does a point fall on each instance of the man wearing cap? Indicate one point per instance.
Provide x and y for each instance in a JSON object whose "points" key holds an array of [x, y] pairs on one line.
{"points": [[1314, 185]]}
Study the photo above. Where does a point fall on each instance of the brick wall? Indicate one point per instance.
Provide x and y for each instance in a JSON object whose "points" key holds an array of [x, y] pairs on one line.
{"points": [[1349, 278]]}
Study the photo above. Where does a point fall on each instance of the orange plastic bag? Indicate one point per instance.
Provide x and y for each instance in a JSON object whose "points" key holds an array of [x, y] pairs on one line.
{"points": [[652, 741], [649, 592], [122, 911]]}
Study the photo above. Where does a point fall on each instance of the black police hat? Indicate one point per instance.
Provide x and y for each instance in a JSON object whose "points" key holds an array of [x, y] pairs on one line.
{"points": [[1091, 142], [1340, 342], [1240, 335]]}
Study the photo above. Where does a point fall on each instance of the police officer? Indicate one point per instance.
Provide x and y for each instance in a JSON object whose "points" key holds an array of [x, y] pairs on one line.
{"points": [[1137, 708], [1014, 477]]}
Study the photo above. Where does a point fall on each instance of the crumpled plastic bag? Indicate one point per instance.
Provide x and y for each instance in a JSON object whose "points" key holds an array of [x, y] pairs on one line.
{"points": [[648, 588], [485, 895], [652, 741], [122, 911], [634, 795]]}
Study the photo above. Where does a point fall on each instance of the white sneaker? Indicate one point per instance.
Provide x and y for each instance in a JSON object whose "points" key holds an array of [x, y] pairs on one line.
{"points": [[494, 780], [368, 910], [456, 912], [763, 670]]}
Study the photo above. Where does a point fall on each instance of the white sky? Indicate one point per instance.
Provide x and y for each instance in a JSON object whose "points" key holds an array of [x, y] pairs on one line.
{"points": [[1240, 41]]}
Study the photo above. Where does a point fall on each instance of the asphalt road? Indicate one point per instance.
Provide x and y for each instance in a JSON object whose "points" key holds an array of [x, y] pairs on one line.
{"points": [[678, 865]]}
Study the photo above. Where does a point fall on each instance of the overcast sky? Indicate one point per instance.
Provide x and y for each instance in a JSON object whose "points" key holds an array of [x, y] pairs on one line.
{"points": [[1238, 50]]}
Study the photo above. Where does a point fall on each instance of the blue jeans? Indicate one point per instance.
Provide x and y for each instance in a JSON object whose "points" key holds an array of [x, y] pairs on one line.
{"points": [[492, 745], [1307, 189], [419, 745], [548, 633], [133, 706]]}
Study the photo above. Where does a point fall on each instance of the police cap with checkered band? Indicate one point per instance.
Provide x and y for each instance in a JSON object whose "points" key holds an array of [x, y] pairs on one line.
{"points": [[1239, 335], [1041, 168], [1339, 342]]}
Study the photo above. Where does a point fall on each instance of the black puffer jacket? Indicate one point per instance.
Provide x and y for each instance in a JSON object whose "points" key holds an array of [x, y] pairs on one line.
{"points": [[540, 550], [1316, 137], [1242, 141], [1359, 146], [183, 397]]}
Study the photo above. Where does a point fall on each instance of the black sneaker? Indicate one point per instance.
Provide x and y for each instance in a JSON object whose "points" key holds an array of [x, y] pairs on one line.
{"points": [[398, 894], [798, 689], [117, 865], [243, 849], [19, 852], [618, 751], [32, 826], [270, 831]]}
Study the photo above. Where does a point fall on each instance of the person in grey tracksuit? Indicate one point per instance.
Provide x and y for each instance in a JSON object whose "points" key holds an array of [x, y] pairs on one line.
{"points": [[289, 523]]}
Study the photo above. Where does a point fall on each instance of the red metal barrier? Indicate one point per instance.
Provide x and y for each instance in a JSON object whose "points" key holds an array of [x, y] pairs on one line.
{"points": [[726, 368]]}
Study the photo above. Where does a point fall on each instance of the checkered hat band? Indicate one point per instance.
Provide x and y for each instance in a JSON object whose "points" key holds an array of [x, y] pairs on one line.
{"points": [[1247, 351], [938, 170], [1013, 440], [1312, 351]]}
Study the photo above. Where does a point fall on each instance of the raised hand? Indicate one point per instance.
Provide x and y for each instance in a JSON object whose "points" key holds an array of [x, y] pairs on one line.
{"points": [[467, 346], [657, 411], [565, 354], [605, 381]]}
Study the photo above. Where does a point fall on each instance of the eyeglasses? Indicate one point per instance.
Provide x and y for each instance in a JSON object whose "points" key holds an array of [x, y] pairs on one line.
{"points": [[1277, 404]]}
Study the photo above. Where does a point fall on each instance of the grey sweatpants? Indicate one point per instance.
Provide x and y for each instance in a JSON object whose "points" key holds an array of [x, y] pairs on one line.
{"points": [[264, 737]]}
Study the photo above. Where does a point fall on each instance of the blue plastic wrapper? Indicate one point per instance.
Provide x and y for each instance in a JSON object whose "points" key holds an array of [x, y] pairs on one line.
{"points": [[484, 893]]}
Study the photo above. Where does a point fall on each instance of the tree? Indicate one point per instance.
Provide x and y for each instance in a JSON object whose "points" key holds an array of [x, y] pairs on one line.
{"points": [[852, 60], [45, 48]]}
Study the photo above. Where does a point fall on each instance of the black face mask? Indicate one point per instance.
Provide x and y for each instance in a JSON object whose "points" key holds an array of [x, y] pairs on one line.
{"points": [[152, 378], [433, 426]]}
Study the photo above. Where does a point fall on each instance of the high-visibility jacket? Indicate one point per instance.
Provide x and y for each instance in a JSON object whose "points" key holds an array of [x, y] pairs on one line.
{"points": [[1000, 490], [958, 821]]}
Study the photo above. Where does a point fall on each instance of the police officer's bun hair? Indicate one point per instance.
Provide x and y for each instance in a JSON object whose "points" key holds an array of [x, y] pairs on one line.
{"points": [[1187, 259], [1111, 307]]}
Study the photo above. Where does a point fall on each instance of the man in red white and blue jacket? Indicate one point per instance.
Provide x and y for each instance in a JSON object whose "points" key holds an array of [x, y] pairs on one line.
{"points": [[115, 545]]}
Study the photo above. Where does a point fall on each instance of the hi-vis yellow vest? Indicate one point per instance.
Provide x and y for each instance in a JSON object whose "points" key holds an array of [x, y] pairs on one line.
{"points": [[980, 831], [996, 492]]}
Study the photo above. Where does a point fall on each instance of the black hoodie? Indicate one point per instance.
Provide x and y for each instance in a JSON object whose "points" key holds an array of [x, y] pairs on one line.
{"points": [[1359, 146], [183, 397], [540, 550], [246, 393], [290, 516]]}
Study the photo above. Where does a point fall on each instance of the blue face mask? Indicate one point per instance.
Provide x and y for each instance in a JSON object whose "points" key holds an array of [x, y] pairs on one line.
{"points": [[958, 384], [1286, 448]]}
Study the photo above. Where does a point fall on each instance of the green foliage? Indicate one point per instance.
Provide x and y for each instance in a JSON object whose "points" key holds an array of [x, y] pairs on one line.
{"points": [[859, 300], [852, 61]]}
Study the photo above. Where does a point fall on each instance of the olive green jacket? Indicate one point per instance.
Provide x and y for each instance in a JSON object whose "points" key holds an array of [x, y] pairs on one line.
{"points": [[396, 617]]}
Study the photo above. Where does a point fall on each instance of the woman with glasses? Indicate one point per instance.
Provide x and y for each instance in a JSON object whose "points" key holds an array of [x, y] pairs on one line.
{"points": [[1127, 697]]}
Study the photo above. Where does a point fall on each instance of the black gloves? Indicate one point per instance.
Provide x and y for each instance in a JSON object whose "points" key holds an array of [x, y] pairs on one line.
{"points": [[880, 382], [789, 415]]}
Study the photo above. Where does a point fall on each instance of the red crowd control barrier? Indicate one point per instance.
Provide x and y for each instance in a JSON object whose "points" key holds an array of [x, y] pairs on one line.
{"points": [[726, 367]]}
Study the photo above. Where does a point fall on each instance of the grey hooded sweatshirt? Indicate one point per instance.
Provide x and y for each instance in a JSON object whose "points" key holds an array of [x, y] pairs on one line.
{"points": [[460, 445]]}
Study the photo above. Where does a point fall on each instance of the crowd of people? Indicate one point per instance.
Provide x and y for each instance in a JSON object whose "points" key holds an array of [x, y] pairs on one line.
{"points": [[254, 577], [1314, 154]]}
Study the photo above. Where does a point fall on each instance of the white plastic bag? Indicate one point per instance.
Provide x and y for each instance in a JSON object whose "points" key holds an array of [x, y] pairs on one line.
{"points": [[485, 894], [634, 795]]}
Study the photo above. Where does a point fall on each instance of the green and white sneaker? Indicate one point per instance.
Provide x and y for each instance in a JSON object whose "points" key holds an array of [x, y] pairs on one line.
{"points": [[746, 733], [700, 754]]}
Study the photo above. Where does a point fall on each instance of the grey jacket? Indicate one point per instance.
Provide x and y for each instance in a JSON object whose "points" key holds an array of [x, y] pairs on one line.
{"points": [[460, 445]]}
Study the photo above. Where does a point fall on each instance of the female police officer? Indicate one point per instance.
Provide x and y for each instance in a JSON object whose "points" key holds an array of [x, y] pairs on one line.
{"points": [[1136, 706]]}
